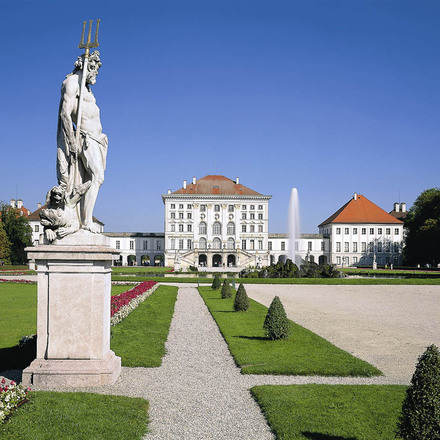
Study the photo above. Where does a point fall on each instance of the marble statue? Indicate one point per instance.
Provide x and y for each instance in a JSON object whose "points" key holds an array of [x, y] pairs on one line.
{"points": [[82, 146], [60, 217]]}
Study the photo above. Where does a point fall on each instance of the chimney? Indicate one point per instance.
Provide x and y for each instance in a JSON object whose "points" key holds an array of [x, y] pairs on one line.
{"points": [[38, 205], [403, 207], [396, 207], [237, 180], [194, 180], [169, 191], [19, 203], [355, 196], [184, 184], [12, 203]]}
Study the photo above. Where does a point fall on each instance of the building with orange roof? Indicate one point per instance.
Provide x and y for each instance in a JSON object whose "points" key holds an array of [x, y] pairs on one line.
{"points": [[216, 222], [362, 234]]}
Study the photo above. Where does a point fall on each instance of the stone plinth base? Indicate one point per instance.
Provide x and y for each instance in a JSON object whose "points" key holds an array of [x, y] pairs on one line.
{"points": [[73, 318], [68, 373]]}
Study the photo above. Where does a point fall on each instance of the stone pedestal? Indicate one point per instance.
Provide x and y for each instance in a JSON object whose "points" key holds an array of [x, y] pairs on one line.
{"points": [[73, 321]]}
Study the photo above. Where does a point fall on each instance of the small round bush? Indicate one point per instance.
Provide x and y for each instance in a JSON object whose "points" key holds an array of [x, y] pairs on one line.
{"points": [[276, 324], [420, 417], [216, 284], [241, 303], [226, 290]]}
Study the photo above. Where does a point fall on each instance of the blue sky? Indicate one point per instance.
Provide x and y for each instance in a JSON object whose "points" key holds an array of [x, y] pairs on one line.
{"points": [[331, 97]]}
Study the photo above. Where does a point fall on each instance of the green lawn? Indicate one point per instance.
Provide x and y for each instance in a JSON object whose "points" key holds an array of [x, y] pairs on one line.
{"points": [[329, 281], [117, 289], [79, 416], [303, 353], [18, 311], [331, 412], [140, 269], [140, 338]]}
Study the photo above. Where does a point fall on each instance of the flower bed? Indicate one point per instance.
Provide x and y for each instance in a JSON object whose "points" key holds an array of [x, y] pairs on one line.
{"points": [[3, 280], [11, 396], [124, 303]]}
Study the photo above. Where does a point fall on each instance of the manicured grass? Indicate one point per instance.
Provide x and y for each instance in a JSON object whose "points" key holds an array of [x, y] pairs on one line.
{"points": [[331, 412], [18, 312], [140, 338], [398, 272], [302, 353], [328, 281], [140, 269], [79, 416], [117, 289]]}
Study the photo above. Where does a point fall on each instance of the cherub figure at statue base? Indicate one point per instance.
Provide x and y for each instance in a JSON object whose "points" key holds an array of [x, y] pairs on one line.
{"points": [[60, 218]]}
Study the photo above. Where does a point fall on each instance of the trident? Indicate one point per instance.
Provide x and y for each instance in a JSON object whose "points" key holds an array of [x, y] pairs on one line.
{"points": [[87, 46]]}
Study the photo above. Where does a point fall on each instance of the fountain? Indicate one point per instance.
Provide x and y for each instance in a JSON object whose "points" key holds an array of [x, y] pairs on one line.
{"points": [[294, 227]]}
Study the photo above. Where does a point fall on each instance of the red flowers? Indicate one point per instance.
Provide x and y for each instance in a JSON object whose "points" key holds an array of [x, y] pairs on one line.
{"points": [[124, 298]]}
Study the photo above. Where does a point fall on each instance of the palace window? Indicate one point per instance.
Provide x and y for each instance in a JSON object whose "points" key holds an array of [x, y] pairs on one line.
{"points": [[202, 208], [355, 247], [252, 228], [396, 231], [260, 228], [231, 228], [181, 215], [180, 228], [269, 245], [173, 215], [202, 228], [231, 243], [202, 243], [347, 231], [338, 246], [309, 246], [355, 231], [188, 206], [260, 207], [260, 245], [243, 244], [181, 206], [217, 208], [322, 245], [243, 216], [371, 231], [252, 216], [371, 246], [189, 228], [173, 206], [338, 230], [131, 244], [231, 208], [379, 247], [363, 246], [173, 243], [243, 228], [388, 231], [158, 246], [173, 227], [260, 216], [252, 245], [118, 244], [243, 207], [37, 228], [181, 243], [364, 231], [145, 245], [189, 244], [189, 215], [283, 245], [252, 206], [216, 243], [217, 228], [379, 231], [346, 246]]}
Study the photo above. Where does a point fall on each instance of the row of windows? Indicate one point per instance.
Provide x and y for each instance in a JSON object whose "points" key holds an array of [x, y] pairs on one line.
{"points": [[217, 207], [371, 231], [145, 245], [230, 229], [188, 215], [217, 244], [380, 247], [283, 245], [251, 216], [346, 260]]}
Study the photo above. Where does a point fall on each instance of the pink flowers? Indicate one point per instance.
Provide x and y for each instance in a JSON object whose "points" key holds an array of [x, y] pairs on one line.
{"points": [[123, 304], [11, 395], [2, 280]]}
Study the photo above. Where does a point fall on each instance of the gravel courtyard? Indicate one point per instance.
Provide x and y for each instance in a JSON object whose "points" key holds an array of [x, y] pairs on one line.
{"points": [[388, 326]]}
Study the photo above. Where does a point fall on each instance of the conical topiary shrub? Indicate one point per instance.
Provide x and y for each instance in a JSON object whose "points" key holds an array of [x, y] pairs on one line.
{"points": [[226, 290], [216, 284], [241, 303], [420, 418], [276, 324]]}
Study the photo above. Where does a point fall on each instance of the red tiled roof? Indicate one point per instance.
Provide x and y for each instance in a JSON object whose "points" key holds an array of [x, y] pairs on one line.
{"points": [[360, 210], [216, 185]]}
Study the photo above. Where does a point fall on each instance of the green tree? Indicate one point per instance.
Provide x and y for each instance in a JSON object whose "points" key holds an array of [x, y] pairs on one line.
{"points": [[5, 245], [241, 302], [226, 290], [18, 231], [423, 229], [216, 284], [420, 418], [276, 324]]}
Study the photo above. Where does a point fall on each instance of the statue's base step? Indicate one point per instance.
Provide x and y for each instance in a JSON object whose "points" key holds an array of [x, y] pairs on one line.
{"points": [[72, 373]]}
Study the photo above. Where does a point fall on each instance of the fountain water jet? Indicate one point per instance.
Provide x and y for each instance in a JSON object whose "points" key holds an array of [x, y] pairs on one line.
{"points": [[294, 228]]}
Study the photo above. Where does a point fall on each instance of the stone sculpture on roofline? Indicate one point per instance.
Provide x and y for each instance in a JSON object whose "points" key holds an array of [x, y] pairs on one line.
{"points": [[74, 261], [81, 149]]}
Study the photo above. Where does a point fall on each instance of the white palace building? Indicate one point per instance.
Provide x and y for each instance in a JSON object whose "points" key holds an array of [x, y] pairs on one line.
{"points": [[215, 223]]}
